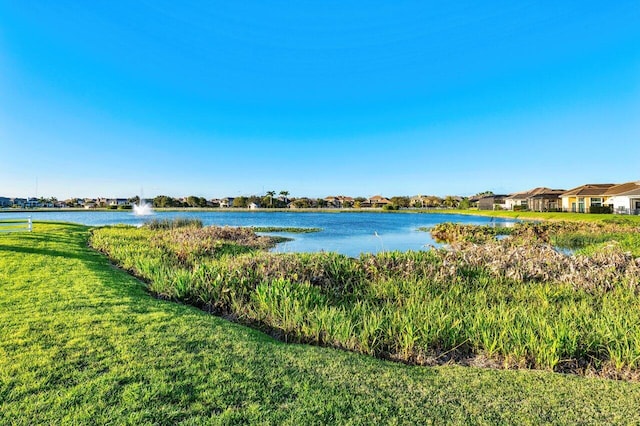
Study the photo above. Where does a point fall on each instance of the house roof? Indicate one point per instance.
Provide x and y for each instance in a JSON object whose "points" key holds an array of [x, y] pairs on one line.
{"points": [[629, 188], [485, 197], [589, 189], [538, 192], [556, 193], [378, 198]]}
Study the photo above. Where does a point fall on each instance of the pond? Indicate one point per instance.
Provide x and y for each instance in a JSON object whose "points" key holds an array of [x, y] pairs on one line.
{"points": [[349, 233]]}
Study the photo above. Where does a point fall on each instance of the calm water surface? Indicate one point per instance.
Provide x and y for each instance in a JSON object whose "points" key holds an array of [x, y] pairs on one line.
{"points": [[346, 233]]}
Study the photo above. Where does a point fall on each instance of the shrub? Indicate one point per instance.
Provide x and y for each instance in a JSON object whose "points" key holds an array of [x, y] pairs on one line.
{"points": [[601, 209], [179, 222]]}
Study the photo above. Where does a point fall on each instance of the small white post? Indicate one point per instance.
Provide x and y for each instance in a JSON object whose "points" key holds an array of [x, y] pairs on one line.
{"points": [[30, 224]]}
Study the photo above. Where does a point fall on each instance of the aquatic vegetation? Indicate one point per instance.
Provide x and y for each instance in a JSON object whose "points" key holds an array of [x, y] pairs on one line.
{"points": [[179, 222], [455, 232], [290, 230], [516, 302], [573, 235]]}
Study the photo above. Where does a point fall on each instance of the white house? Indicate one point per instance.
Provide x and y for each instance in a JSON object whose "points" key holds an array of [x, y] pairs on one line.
{"points": [[226, 202], [624, 198]]}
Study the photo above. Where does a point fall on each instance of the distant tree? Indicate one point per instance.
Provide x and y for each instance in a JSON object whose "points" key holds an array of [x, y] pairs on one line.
{"points": [[433, 201], [256, 200], [134, 200], [321, 202], [301, 203], [357, 202], [160, 201], [485, 193], [401, 201], [450, 201], [166, 201], [284, 195], [240, 202], [72, 202], [464, 204], [193, 201]]}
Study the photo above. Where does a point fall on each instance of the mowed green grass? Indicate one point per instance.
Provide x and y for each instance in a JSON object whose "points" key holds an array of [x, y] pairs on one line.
{"points": [[83, 343], [531, 215]]}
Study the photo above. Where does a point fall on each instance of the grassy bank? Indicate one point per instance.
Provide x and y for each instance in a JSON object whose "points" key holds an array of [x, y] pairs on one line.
{"points": [[84, 343], [549, 216], [509, 304]]}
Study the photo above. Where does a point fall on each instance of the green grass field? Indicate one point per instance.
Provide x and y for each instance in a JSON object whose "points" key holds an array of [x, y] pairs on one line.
{"points": [[82, 342], [528, 215]]}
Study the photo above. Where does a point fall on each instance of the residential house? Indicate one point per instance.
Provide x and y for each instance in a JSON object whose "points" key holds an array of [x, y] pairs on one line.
{"points": [[474, 200], [332, 201], [492, 202], [253, 206], [5, 202], [418, 201], [88, 203], [624, 198], [345, 202], [339, 201], [583, 198], [226, 202], [376, 201], [32, 203], [117, 202], [19, 202], [537, 199]]}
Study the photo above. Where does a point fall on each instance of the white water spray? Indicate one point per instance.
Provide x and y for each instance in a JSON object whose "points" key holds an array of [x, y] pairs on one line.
{"points": [[142, 208]]}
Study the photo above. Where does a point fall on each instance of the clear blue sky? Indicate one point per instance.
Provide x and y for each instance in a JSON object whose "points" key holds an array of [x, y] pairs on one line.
{"points": [[101, 98]]}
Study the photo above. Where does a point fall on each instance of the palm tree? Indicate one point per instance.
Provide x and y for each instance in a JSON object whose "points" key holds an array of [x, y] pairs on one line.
{"points": [[284, 195], [450, 201], [271, 194]]}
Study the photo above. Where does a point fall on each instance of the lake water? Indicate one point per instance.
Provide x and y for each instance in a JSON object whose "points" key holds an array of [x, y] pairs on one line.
{"points": [[346, 233]]}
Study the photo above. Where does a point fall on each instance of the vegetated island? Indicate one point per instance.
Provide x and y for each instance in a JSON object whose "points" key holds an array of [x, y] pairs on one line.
{"points": [[511, 303]]}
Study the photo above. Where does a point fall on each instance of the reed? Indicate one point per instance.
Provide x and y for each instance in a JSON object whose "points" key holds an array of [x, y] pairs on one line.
{"points": [[510, 303]]}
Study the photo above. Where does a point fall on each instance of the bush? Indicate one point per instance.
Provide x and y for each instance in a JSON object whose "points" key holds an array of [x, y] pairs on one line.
{"points": [[601, 209]]}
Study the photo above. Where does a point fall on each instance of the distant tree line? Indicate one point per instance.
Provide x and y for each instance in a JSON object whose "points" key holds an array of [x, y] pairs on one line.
{"points": [[191, 201], [272, 199]]}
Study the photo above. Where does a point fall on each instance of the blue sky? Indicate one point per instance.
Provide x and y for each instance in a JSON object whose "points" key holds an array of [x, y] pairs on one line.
{"points": [[318, 98]]}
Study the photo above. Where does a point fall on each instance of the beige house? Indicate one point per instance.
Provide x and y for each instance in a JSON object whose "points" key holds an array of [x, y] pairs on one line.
{"points": [[376, 201], [582, 198], [339, 201]]}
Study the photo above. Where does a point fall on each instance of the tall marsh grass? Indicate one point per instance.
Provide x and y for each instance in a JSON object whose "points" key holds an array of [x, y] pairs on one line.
{"points": [[510, 303]]}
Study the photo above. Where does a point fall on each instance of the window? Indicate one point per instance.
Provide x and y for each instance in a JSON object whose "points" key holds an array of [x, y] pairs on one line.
{"points": [[596, 202]]}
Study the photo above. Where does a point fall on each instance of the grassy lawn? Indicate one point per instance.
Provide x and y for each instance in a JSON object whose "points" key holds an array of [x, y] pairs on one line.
{"points": [[82, 342], [578, 217]]}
